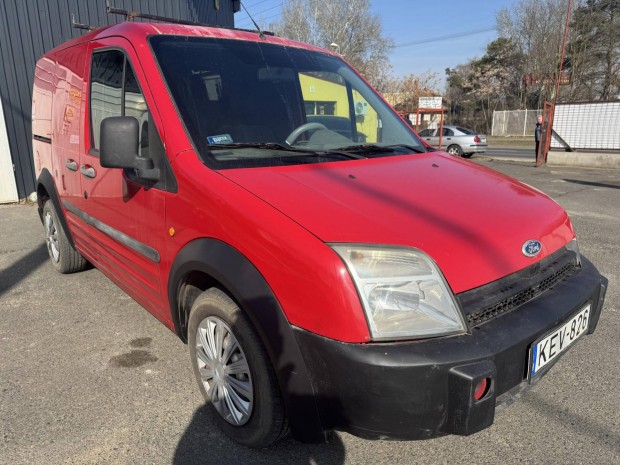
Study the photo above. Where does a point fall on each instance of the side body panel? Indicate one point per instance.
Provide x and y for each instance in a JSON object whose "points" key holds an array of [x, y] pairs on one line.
{"points": [[42, 96], [121, 221]]}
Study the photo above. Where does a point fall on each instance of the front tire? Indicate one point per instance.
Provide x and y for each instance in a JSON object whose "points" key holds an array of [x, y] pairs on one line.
{"points": [[455, 150], [234, 372], [62, 254]]}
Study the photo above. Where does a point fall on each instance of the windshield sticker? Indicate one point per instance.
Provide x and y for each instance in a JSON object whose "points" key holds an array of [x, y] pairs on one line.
{"points": [[220, 139]]}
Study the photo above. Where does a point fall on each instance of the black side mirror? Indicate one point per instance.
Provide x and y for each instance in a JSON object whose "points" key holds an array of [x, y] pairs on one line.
{"points": [[118, 147]]}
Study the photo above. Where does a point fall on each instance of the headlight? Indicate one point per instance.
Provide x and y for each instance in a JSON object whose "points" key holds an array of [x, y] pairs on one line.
{"points": [[574, 247], [403, 293]]}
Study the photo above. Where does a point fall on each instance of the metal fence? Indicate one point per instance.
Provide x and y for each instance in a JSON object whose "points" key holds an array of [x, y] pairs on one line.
{"points": [[586, 126], [514, 122]]}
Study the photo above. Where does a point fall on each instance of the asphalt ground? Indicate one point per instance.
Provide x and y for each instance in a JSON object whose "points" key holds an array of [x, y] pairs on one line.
{"points": [[88, 376], [510, 153]]}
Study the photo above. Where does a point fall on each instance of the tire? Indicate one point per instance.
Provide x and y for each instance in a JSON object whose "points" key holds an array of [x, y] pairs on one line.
{"points": [[455, 150], [62, 254], [253, 414]]}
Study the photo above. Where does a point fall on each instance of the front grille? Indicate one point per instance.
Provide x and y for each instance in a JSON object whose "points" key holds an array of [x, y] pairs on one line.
{"points": [[492, 300]]}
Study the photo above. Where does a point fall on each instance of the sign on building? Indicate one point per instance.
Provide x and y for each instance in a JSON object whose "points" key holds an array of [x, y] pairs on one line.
{"points": [[433, 103]]}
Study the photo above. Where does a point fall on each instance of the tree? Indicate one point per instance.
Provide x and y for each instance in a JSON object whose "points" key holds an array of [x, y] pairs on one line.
{"points": [[594, 51], [403, 93], [348, 23], [482, 85], [536, 27]]}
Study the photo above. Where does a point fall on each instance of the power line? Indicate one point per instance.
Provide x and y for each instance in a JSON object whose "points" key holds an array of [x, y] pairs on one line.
{"points": [[249, 23], [245, 22], [445, 37], [255, 3]]}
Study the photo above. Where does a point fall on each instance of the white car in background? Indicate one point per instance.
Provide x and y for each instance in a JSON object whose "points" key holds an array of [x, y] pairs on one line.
{"points": [[456, 140]]}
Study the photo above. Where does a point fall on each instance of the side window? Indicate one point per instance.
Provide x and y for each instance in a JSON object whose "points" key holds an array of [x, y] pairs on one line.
{"points": [[106, 89], [135, 105], [115, 92], [448, 132]]}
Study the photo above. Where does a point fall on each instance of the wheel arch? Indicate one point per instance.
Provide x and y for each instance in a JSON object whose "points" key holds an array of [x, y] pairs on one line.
{"points": [[46, 190], [209, 262]]}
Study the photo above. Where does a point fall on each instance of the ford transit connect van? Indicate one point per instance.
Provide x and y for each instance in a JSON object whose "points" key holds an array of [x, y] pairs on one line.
{"points": [[328, 271]]}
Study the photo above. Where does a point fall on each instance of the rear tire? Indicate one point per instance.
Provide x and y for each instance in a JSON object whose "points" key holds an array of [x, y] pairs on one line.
{"points": [[62, 254], [455, 150], [233, 371]]}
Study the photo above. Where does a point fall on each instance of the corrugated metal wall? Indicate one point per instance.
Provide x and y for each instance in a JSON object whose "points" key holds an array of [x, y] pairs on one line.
{"points": [[28, 28]]}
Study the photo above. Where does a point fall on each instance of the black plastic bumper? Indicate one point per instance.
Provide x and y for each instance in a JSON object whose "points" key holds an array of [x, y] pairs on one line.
{"points": [[422, 389]]}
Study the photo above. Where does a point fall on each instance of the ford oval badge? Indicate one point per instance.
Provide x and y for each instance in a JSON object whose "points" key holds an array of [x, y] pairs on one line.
{"points": [[531, 248]]}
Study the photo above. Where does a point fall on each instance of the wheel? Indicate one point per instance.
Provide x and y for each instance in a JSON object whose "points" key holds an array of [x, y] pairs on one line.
{"points": [[64, 257], [293, 136], [234, 372], [455, 150]]}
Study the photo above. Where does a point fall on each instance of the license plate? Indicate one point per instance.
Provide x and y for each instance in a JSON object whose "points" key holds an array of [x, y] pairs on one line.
{"points": [[553, 344]]}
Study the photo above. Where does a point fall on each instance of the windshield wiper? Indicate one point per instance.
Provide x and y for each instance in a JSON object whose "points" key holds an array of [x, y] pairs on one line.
{"points": [[258, 145], [408, 147], [368, 148], [374, 148], [285, 148]]}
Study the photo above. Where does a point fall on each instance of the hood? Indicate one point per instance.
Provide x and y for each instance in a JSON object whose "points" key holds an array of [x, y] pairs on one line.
{"points": [[471, 220]]}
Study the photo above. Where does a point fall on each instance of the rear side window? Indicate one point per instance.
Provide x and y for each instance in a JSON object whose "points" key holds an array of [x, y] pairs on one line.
{"points": [[466, 131], [448, 132], [114, 91]]}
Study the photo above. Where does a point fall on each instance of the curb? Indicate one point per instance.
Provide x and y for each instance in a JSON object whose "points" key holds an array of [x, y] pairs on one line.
{"points": [[585, 159]]}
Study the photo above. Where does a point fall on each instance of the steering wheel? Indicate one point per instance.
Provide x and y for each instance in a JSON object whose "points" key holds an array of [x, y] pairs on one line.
{"points": [[293, 136]]}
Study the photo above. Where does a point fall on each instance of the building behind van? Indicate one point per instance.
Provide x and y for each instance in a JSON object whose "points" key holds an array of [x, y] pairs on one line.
{"points": [[30, 28]]}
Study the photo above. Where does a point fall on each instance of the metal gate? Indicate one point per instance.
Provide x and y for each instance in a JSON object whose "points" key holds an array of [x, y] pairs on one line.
{"points": [[545, 136]]}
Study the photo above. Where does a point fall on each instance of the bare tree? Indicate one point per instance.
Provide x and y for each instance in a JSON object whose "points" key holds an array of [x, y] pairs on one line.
{"points": [[349, 24], [537, 28], [403, 93], [476, 89]]}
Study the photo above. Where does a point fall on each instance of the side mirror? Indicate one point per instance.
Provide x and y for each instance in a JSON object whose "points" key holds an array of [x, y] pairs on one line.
{"points": [[118, 145]]}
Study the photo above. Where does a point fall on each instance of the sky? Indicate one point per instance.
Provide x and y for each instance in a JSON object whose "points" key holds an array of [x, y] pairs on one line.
{"points": [[428, 34]]}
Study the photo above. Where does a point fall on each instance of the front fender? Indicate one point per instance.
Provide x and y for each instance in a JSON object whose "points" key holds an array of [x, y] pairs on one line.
{"points": [[248, 287]]}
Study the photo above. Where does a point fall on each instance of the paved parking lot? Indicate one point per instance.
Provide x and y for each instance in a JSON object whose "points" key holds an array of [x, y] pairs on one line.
{"points": [[88, 376]]}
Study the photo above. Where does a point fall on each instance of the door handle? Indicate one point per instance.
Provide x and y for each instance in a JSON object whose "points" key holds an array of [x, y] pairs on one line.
{"points": [[448, 138], [71, 164], [88, 171]]}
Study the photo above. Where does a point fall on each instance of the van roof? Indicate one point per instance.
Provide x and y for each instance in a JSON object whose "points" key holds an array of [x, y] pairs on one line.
{"points": [[139, 32]]}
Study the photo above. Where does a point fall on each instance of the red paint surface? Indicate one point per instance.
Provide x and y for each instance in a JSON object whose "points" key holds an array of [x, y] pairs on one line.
{"points": [[470, 220]]}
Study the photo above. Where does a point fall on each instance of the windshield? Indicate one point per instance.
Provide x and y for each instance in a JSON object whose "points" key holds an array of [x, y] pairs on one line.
{"points": [[248, 104]]}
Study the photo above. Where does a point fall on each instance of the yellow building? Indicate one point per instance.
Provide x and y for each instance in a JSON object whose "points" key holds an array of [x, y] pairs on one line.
{"points": [[326, 95]]}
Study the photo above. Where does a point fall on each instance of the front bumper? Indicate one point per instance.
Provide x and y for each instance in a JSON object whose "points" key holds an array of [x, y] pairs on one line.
{"points": [[422, 389]]}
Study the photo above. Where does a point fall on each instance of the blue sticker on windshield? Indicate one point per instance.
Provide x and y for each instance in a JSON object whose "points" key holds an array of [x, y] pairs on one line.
{"points": [[220, 139]]}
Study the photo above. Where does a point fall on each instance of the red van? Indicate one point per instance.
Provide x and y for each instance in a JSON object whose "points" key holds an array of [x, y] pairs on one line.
{"points": [[326, 269]]}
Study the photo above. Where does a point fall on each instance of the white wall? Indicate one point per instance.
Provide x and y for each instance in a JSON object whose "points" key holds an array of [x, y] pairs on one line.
{"points": [[8, 188]]}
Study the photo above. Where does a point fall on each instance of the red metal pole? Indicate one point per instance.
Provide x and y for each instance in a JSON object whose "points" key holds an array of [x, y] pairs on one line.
{"points": [[557, 83], [440, 129]]}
